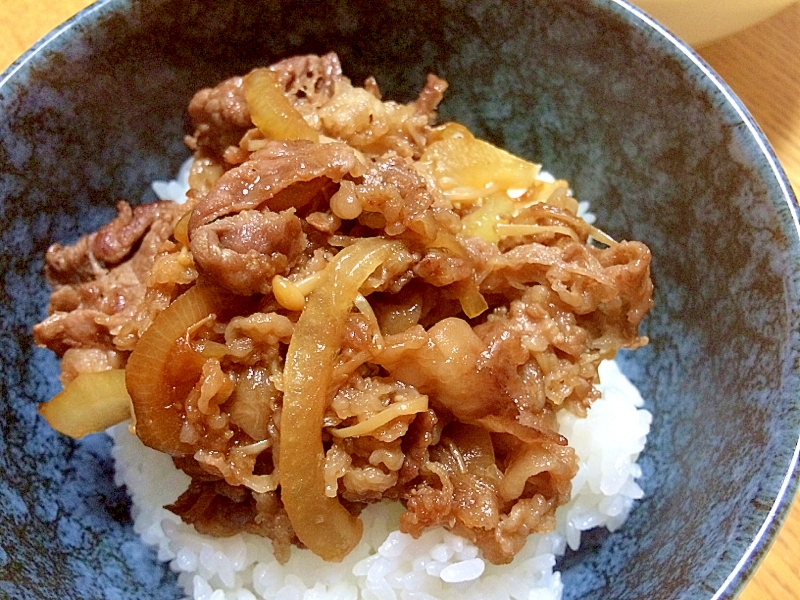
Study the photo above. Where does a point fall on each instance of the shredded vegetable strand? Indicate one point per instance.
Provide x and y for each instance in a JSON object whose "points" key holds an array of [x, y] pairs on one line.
{"points": [[292, 294], [522, 229], [320, 522], [391, 412], [364, 307], [602, 237]]}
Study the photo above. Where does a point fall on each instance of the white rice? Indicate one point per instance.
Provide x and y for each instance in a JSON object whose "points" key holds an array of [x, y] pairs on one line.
{"points": [[387, 564], [177, 188]]}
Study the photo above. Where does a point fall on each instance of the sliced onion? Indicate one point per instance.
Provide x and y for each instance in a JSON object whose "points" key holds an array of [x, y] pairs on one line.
{"points": [[90, 403], [271, 111], [469, 295], [472, 164], [602, 237], [321, 522], [482, 220], [475, 449], [181, 232], [161, 371]]}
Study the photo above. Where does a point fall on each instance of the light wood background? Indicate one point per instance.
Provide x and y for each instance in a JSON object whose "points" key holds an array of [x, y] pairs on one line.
{"points": [[761, 64]]}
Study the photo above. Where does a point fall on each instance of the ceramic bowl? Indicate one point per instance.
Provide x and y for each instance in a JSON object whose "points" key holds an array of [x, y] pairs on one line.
{"points": [[594, 90]]}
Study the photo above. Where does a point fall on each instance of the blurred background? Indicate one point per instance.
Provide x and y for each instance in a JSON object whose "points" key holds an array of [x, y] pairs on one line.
{"points": [[700, 22], [755, 47]]}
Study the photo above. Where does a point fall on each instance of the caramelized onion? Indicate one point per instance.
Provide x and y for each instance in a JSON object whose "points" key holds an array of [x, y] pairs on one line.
{"points": [[271, 111], [156, 384], [469, 295], [482, 220], [181, 232], [475, 449], [90, 403], [459, 164], [320, 522]]}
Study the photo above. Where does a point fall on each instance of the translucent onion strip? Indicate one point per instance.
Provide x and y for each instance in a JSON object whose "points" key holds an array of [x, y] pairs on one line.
{"points": [[90, 403], [378, 420], [320, 522], [472, 301], [364, 307], [522, 229], [157, 399], [271, 111], [602, 236], [467, 169]]}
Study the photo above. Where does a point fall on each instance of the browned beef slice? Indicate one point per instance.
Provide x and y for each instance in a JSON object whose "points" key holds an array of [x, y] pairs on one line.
{"points": [[75, 329], [69, 264], [220, 116], [117, 239], [244, 252], [221, 510], [271, 177], [99, 282], [215, 508], [431, 95], [310, 78], [394, 188], [422, 433], [440, 267]]}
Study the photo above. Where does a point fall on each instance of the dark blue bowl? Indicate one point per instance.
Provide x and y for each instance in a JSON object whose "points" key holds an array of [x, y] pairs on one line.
{"points": [[593, 89]]}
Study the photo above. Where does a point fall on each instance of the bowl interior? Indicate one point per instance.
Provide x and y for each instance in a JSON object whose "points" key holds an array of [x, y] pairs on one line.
{"points": [[600, 97]]}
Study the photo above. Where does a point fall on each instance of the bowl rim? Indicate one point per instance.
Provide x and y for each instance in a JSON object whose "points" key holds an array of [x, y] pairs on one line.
{"points": [[758, 547], [43, 42], [760, 544]]}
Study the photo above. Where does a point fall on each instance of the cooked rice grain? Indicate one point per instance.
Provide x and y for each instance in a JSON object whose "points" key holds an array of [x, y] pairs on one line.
{"points": [[387, 564]]}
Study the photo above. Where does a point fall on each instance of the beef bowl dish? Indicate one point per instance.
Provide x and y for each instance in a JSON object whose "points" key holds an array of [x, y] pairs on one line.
{"points": [[342, 301]]}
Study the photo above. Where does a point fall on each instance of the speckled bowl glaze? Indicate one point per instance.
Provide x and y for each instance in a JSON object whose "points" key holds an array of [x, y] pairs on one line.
{"points": [[594, 90]]}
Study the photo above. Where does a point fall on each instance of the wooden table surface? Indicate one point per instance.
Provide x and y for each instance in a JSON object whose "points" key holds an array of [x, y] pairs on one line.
{"points": [[761, 64]]}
